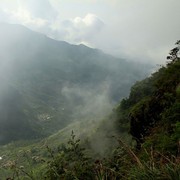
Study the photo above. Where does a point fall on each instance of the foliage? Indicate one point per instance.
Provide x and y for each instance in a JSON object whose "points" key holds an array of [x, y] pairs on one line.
{"points": [[23, 166], [151, 112], [70, 162], [158, 106]]}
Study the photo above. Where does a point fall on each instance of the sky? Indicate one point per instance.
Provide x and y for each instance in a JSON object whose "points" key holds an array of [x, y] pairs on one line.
{"points": [[142, 30]]}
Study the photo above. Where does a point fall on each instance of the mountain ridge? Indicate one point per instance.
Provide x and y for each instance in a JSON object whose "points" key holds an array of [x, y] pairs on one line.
{"points": [[57, 82]]}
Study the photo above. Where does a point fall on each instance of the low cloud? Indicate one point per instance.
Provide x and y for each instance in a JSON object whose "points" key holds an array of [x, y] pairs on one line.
{"points": [[41, 16], [24, 17], [140, 30], [78, 30], [41, 9], [30, 13], [90, 102]]}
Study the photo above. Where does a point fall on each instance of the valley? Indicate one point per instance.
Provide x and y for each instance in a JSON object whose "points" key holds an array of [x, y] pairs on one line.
{"points": [[70, 111]]}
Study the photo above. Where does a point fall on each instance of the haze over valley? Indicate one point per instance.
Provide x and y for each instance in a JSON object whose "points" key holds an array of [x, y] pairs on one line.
{"points": [[89, 89], [47, 84]]}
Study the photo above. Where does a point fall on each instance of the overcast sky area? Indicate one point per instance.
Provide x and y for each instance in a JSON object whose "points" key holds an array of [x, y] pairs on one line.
{"points": [[142, 30]]}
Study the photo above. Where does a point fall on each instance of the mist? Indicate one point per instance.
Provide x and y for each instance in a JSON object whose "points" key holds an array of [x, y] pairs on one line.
{"points": [[48, 84], [120, 27], [89, 102], [71, 78]]}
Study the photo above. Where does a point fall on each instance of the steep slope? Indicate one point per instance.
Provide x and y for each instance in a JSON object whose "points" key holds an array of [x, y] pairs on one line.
{"points": [[153, 110], [52, 82], [152, 113]]}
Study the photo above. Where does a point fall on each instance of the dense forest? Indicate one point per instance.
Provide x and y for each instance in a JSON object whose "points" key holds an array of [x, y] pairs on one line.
{"points": [[150, 115]]}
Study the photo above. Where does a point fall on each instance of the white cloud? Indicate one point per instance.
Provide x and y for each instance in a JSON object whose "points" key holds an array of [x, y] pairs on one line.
{"points": [[135, 29], [32, 13], [24, 17], [93, 101], [39, 8], [78, 30]]}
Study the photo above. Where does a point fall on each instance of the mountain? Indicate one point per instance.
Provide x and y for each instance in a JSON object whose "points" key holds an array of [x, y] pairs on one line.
{"points": [[46, 84], [152, 110], [151, 114]]}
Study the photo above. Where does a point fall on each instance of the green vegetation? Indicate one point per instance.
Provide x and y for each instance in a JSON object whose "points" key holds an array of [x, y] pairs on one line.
{"points": [[71, 161], [47, 84], [104, 149]]}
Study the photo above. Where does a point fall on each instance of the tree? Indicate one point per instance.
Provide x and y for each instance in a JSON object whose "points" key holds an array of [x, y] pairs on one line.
{"points": [[173, 54]]}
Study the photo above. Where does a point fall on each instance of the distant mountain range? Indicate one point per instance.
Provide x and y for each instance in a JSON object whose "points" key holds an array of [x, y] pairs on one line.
{"points": [[46, 84]]}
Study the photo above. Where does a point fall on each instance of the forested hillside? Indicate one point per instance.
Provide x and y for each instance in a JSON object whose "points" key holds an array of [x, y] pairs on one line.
{"points": [[153, 108], [47, 84], [151, 114]]}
